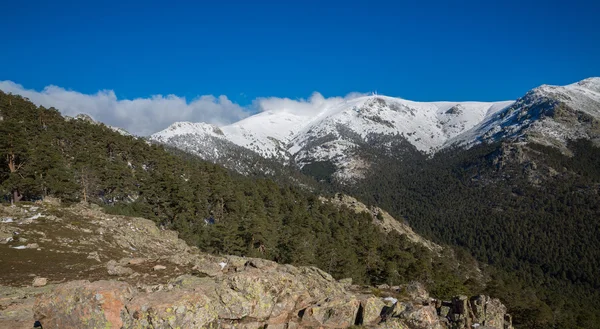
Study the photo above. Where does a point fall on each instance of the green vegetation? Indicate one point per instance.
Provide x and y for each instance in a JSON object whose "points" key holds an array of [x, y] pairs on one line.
{"points": [[529, 211], [45, 155]]}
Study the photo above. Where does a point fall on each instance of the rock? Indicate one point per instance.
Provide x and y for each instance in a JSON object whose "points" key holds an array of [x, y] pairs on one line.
{"points": [[417, 292], [346, 282], [175, 309], [422, 317], [16, 307], [208, 268], [159, 267], [370, 311], [257, 263], [444, 311], [338, 313], [278, 326], [94, 255], [5, 235], [392, 324], [459, 314], [51, 201], [39, 282], [32, 246], [136, 261], [81, 304], [489, 312], [115, 269]]}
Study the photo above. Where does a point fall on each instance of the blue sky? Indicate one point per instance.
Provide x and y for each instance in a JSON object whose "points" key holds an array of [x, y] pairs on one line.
{"points": [[425, 50]]}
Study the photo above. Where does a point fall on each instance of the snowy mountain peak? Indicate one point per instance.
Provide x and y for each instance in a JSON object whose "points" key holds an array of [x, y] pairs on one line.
{"points": [[547, 114], [592, 84], [188, 128], [336, 131]]}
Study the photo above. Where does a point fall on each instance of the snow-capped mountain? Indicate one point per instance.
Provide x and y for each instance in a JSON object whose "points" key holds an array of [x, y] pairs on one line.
{"points": [[548, 115], [337, 133]]}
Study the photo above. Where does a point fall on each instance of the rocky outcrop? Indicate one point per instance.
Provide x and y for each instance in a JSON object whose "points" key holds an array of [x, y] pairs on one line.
{"points": [[160, 282], [276, 296], [84, 304], [475, 312], [271, 294]]}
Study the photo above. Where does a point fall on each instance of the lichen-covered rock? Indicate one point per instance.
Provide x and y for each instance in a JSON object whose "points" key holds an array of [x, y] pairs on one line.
{"points": [[417, 292], [421, 317], [370, 310], [176, 309], [81, 304], [489, 312], [16, 309], [339, 313], [479, 311], [114, 268], [392, 324]]}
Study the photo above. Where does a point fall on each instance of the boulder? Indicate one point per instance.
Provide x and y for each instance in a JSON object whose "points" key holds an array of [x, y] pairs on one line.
{"points": [[174, 309], [159, 267], [39, 282], [346, 282], [418, 316], [51, 201], [444, 311], [32, 246], [392, 324], [115, 269], [417, 292], [81, 304], [489, 312], [337, 313], [136, 261], [370, 311]]}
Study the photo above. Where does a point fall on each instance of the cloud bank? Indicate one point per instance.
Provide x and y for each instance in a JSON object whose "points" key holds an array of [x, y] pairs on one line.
{"points": [[145, 116], [315, 104]]}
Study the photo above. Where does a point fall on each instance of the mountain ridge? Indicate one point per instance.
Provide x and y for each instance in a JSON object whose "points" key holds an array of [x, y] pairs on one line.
{"points": [[335, 133]]}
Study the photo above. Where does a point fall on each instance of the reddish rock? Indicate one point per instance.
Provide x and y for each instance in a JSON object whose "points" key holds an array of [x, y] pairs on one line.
{"points": [[81, 304], [174, 309]]}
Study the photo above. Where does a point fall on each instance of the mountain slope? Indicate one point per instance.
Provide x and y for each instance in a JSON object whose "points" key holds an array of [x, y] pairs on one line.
{"points": [[337, 137], [549, 115], [330, 134]]}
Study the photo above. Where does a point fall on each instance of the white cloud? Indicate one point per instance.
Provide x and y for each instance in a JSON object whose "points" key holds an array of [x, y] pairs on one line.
{"points": [[144, 116], [141, 116], [315, 104]]}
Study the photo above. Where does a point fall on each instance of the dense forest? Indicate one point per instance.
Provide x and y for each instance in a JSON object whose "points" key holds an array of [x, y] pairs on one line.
{"points": [[528, 210], [44, 154]]}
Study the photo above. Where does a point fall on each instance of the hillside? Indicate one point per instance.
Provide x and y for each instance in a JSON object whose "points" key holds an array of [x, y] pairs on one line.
{"points": [[78, 267], [524, 208], [211, 208]]}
